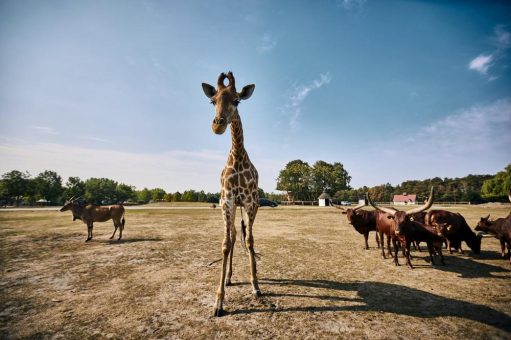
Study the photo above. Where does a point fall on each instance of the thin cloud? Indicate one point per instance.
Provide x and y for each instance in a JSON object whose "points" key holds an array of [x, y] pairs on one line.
{"points": [[45, 130], [172, 170], [96, 139], [350, 4], [266, 44], [501, 40], [473, 140], [292, 110], [481, 63], [478, 129]]}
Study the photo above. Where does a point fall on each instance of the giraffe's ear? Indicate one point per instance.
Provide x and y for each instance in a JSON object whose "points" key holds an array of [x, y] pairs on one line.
{"points": [[246, 92], [209, 90]]}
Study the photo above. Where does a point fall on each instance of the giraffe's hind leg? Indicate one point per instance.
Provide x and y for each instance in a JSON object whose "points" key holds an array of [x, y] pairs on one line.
{"points": [[233, 241]]}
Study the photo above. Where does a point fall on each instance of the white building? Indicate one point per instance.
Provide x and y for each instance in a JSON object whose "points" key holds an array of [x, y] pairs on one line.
{"points": [[324, 200]]}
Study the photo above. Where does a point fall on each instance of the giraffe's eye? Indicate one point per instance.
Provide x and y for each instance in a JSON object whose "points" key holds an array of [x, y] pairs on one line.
{"points": [[212, 102], [236, 102]]}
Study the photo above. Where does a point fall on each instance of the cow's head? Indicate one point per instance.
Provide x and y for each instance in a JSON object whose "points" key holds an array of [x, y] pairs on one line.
{"points": [[402, 217], [68, 205], [483, 224], [226, 100]]}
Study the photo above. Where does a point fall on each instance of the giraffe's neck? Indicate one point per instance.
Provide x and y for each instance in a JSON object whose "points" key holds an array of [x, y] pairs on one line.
{"points": [[237, 148]]}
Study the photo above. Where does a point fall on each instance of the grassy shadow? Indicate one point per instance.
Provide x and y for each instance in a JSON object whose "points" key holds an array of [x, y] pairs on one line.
{"points": [[131, 240], [466, 267], [383, 297]]}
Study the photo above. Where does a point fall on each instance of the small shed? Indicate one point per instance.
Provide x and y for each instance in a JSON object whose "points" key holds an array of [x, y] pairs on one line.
{"points": [[42, 202], [324, 200], [405, 199]]}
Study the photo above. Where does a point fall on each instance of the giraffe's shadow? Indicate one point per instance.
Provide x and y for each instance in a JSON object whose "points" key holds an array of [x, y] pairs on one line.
{"points": [[412, 302]]}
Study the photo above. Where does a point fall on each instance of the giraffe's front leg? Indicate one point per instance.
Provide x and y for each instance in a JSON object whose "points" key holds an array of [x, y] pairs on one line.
{"points": [[251, 212], [227, 212], [231, 253]]}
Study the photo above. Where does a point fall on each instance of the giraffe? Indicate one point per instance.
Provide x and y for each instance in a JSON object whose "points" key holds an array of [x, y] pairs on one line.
{"points": [[238, 180]]}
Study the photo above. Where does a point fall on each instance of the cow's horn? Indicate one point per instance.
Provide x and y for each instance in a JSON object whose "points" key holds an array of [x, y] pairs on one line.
{"points": [[426, 206], [386, 210]]}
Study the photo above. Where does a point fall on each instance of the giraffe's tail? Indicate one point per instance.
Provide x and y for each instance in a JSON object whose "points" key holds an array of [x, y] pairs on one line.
{"points": [[243, 232]]}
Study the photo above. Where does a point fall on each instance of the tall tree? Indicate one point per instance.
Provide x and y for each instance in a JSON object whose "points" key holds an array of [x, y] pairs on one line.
{"points": [[16, 184], [498, 186], [295, 178], [48, 185], [99, 190], [75, 187]]}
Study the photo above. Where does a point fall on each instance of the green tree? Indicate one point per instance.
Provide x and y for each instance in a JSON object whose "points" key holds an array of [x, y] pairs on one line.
{"points": [[157, 194], [124, 192], [330, 178], [497, 188], [75, 187], [16, 184], [48, 185], [295, 178], [99, 190], [143, 196]]}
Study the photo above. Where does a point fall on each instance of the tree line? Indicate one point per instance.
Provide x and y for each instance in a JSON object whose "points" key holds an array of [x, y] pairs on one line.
{"points": [[305, 183], [298, 179]]}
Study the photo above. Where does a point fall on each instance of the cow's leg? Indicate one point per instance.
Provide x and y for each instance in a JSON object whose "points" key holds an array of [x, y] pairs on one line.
{"points": [[394, 243], [449, 246], [366, 235], [389, 252], [377, 239], [430, 251], [115, 229], [382, 238], [121, 227], [89, 231], [408, 260], [439, 249], [502, 247]]}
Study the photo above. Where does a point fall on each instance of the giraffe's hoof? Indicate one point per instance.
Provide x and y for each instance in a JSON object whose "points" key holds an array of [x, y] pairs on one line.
{"points": [[218, 312], [257, 293], [111, 237], [87, 240], [228, 283]]}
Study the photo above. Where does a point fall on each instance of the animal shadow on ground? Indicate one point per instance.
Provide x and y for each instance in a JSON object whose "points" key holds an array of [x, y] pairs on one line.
{"points": [[468, 268], [377, 297], [132, 240]]}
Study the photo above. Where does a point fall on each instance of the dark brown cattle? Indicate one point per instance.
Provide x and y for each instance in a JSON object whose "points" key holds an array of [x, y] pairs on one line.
{"points": [[92, 213], [455, 229], [363, 221], [501, 229], [408, 231], [386, 227]]}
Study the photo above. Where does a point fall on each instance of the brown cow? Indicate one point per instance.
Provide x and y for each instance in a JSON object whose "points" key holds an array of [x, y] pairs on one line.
{"points": [[500, 228], [455, 230], [363, 221], [407, 231], [92, 213]]}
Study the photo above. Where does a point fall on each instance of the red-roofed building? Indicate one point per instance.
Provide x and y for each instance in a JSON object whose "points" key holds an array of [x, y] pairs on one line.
{"points": [[404, 199]]}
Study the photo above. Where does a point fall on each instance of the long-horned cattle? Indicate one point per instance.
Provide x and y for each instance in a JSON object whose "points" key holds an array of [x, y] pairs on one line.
{"points": [[500, 228], [455, 229], [363, 221], [407, 231], [92, 213]]}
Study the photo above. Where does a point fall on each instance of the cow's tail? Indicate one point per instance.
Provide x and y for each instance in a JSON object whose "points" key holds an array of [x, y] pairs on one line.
{"points": [[243, 232]]}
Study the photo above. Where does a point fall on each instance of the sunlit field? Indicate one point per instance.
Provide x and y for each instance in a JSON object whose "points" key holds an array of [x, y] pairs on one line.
{"points": [[317, 280]]}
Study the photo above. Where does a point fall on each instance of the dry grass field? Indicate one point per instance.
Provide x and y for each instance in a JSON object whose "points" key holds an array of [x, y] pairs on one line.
{"points": [[316, 278]]}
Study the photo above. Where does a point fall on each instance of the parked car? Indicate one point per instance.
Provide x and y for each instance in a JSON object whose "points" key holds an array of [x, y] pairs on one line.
{"points": [[263, 202], [345, 203]]}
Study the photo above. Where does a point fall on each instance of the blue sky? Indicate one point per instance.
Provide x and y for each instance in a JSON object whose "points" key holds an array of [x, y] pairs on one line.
{"points": [[394, 90]]}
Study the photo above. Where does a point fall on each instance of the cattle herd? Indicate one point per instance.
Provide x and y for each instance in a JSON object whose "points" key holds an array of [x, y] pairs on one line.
{"points": [[434, 227]]}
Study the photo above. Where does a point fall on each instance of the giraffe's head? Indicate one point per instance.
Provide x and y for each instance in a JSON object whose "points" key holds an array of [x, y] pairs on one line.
{"points": [[226, 100]]}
